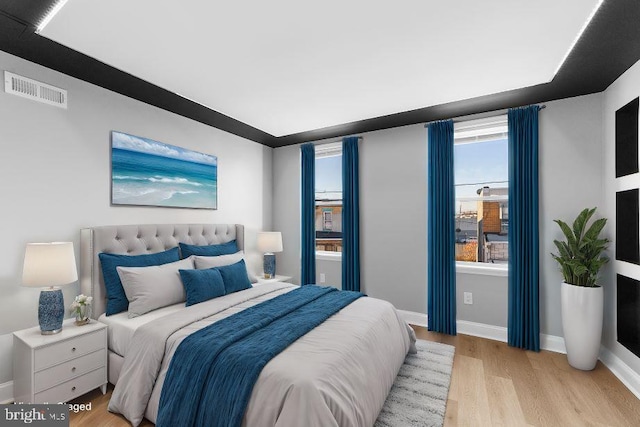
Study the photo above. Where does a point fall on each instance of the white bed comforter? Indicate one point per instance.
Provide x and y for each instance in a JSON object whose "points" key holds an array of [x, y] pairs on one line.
{"points": [[339, 374]]}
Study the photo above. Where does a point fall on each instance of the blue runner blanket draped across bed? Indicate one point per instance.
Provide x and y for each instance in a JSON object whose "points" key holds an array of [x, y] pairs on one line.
{"points": [[213, 371]]}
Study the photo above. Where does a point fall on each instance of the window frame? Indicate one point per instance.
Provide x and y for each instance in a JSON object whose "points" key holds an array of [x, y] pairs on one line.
{"points": [[476, 132], [328, 149], [483, 268]]}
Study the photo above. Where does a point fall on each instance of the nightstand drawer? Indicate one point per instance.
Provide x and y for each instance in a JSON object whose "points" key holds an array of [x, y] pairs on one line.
{"points": [[71, 389], [71, 348], [56, 374]]}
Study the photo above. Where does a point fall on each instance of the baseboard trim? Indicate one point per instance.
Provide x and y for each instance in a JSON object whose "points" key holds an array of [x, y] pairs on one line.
{"points": [[414, 318], [552, 343], [628, 377], [6, 392], [482, 330]]}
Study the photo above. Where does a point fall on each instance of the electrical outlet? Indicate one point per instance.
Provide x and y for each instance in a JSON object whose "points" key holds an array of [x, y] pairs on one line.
{"points": [[468, 298], [322, 278]]}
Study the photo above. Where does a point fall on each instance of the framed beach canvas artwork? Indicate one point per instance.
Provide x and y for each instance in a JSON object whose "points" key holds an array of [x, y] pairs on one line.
{"points": [[145, 172]]}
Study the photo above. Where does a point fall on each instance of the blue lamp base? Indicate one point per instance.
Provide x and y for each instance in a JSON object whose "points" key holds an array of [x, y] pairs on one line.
{"points": [[51, 311], [269, 265]]}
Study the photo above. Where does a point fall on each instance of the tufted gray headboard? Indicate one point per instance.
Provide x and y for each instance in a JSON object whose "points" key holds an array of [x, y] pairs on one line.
{"points": [[141, 239]]}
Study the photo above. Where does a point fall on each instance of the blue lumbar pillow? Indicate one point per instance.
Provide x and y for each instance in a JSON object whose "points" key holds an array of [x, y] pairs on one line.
{"points": [[202, 285], [209, 250], [117, 301]]}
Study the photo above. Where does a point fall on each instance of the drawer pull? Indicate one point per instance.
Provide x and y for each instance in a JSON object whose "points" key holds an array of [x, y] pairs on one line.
{"points": [[73, 349], [73, 369], [73, 388]]}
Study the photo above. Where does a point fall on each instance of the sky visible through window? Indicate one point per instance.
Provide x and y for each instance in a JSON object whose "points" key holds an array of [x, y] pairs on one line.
{"points": [[329, 174], [477, 165]]}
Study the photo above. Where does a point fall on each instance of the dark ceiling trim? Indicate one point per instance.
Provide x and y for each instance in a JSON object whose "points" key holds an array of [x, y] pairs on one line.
{"points": [[18, 37], [608, 47]]}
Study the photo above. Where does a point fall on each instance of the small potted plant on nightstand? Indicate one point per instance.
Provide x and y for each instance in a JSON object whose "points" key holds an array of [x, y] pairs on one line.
{"points": [[582, 298]]}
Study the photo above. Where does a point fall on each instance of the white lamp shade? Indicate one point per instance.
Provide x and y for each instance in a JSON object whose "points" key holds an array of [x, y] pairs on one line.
{"points": [[269, 241], [49, 264]]}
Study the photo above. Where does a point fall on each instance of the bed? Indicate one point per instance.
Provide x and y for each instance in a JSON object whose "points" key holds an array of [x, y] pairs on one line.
{"points": [[337, 374]]}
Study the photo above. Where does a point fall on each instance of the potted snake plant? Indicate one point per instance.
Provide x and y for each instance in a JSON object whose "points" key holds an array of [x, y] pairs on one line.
{"points": [[582, 298]]}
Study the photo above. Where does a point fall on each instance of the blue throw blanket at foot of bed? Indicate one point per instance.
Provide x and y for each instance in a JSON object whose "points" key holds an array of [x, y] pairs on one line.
{"points": [[213, 371]]}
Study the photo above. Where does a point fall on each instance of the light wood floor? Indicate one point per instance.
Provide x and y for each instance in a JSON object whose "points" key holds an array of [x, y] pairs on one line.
{"points": [[493, 385]]}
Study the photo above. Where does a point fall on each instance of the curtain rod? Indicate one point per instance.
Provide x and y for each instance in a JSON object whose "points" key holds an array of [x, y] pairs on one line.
{"points": [[322, 142], [489, 114]]}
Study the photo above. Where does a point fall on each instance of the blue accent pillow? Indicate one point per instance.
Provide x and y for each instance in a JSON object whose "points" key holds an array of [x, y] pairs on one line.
{"points": [[235, 277], [116, 299], [209, 250], [202, 285]]}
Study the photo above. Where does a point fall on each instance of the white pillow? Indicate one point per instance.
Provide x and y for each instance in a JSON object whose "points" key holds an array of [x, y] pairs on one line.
{"points": [[149, 288], [203, 262]]}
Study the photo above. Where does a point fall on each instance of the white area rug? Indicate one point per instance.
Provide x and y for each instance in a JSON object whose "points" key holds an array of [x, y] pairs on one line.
{"points": [[419, 393]]}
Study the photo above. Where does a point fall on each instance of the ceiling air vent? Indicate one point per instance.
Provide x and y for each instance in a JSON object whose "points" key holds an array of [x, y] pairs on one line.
{"points": [[35, 90]]}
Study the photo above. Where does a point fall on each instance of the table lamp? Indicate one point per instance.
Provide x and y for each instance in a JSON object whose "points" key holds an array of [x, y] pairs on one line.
{"points": [[49, 265], [268, 243]]}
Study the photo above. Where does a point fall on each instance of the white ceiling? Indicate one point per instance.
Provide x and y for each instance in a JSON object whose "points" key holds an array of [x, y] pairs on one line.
{"points": [[288, 66]]}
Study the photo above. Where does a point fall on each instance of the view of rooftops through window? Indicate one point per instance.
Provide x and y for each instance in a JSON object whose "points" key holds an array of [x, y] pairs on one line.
{"points": [[482, 184], [329, 197]]}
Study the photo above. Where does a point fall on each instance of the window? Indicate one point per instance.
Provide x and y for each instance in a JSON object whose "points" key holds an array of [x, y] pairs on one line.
{"points": [[482, 189], [329, 199], [327, 222]]}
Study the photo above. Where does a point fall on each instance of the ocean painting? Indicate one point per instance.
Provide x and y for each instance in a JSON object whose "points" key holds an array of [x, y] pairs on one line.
{"points": [[145, 172]]}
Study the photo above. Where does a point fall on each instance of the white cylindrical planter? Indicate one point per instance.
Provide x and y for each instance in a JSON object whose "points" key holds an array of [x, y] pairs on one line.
{"points": [[582, 310]]}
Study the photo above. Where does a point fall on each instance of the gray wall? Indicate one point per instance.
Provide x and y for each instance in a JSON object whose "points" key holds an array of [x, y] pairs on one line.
{"points": [[489, 299], [393, 211], [388, 209], [55, 174], [621, 92], [332, 270], [570, 180], [286, 209]]}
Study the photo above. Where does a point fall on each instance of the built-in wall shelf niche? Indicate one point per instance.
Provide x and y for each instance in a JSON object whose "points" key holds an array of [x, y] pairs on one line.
{"points": [[628, 317], [627, 226], [627, 139]]}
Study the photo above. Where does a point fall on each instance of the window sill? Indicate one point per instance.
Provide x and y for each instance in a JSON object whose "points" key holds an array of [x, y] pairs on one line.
{"points": [[328, 256], [501, 270]]}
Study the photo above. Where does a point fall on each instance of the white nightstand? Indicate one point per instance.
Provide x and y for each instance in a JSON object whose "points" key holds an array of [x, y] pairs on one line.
{"points": [[277, 278], [59, 368]]}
